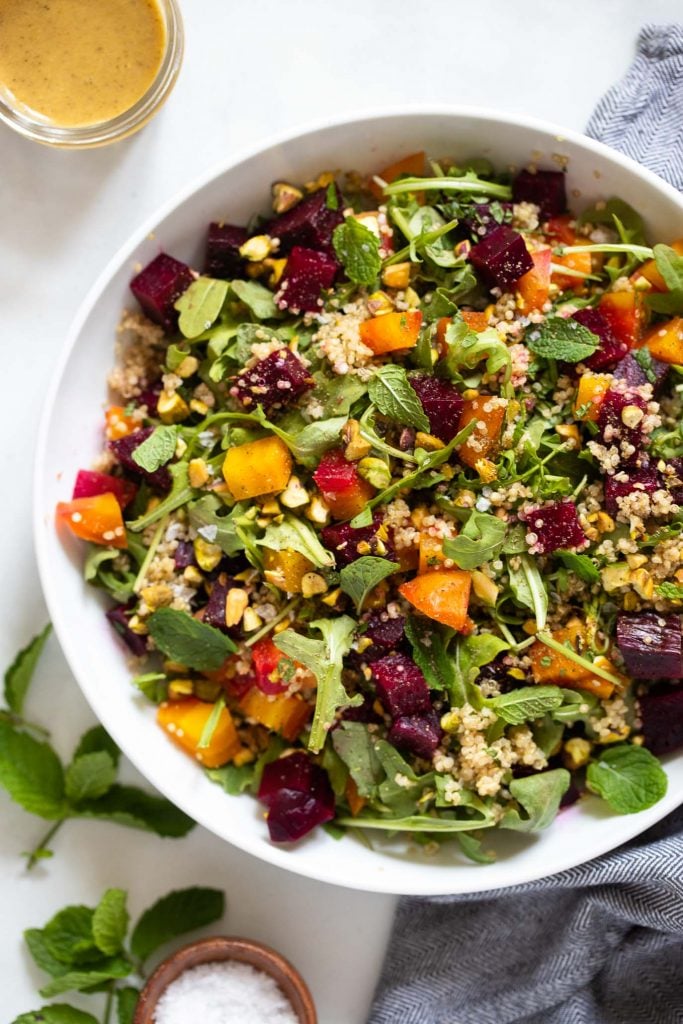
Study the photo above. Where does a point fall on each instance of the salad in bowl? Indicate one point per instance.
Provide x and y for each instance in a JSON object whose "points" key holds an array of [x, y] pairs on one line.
{"points": [[390, 502]]}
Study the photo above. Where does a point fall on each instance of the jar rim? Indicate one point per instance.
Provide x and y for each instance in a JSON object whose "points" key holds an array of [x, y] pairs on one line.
{"points": [[128, 121]]}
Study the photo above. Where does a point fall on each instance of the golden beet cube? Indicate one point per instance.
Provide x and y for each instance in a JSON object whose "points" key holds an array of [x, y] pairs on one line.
{"points": [[257, 467]]}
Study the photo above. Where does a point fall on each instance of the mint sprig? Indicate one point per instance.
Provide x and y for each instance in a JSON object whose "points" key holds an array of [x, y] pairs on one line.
{"points": [[560, 338], [628, 778], [357, 248]]}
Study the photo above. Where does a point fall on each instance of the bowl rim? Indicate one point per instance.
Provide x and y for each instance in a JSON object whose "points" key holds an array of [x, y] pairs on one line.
{"points": [[270, 853]]}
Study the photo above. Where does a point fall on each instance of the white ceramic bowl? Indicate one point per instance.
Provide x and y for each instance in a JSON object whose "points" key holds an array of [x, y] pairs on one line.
{"points": [[71, 435]]}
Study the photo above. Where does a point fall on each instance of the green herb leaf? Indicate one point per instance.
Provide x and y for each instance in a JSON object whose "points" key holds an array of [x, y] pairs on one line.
{"points": [[357, 248], [175, 355], [18, 676], [221, 529], [628, 778], [128, 805], [188, 641], [391, 392], [95, 739], [257, 298], [526, 703], [89, 776], [481, 539], [68, 936], [157, 449], [569, 712], [199, 306], [234, 779], [539, 797], [402, 788], [337, 394], [331, 198], [470, 655], [110, 922], [35, 940], [325, 659], [616, 209], [80, 980], [175, 914], [671, 591], [467, 348], [99, 571], [472, 848], [31, 773], [560, 338], [469, 182], [363, 575], [670, 266], [180, 494], [154, 685], [528, 587], [356, 747], [416, 823], [581, 565], [293, 534], [56, 1013], [429, 643], [211, 723], [126, 1004]]}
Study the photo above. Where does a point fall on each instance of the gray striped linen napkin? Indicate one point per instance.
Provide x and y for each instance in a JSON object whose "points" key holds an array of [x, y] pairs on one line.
{"points": [[601, 943]]}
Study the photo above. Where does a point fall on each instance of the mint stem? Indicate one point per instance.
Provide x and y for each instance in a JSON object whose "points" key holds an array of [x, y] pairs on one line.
{"points": [[42, 844], [109, 1004]]}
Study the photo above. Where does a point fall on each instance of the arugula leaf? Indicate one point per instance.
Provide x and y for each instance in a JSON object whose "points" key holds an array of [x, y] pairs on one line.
{"points": [[325, 659], [126, 1004], [613, 210], [547, 735], [311, 441], [539, 798], [188, 641], [180, 494], [670, 266], [80, 980], [580, 565], [257, 298], [466, 349], [56, 1013], [357, 248], [234, 779], [528, 587], [671, 591], [110, 922], [200, 305], [418, 823], [426, 223], [560, 338], [401, 799], [18, 676], [356, 747], [128, 805], [236, 353], [471, 846], [89, 776], [31, 773], [628, 778], [471, 654], [154, 685], [526, 703], [468, 182], [175, 355], [569, 712], [337, 394], [481, 539], [181, 911], [293, 534], [157, 449], [361, 576], [429, 644], [223, 529], [68, 936], [391, 392], [118, 583]]}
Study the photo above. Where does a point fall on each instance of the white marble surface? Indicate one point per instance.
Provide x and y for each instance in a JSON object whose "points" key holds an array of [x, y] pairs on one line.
{"points": [[251, 69]]}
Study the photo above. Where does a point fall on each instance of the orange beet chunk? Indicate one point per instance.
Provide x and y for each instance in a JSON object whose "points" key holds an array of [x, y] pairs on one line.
{"points": [[97, 519], [411, 166], [534, 286], [665, 341], [118, 424], [184, 721], [286, 715], [489, 412], [551, 667], [391, 332], [442, 595], [589, 395], [624, 312], [477, 321], [650, 273], [580, 261]]}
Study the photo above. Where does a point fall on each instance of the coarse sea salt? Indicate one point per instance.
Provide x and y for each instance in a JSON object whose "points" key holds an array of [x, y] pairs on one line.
{"points": [[226, 992]]}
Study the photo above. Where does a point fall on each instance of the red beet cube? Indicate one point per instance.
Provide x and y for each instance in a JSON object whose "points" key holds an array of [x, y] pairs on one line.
{"points": [[123, 449], [184, 556], [651, 645], [307, 272], [501, 258], [556, 526], [310, 223], [159, 285], [342, 540], [662, 718], [630, 370], [118, 619], [89, 483], [214, 612], [547, 189], [401, 686], [611, 348], [298, 795], [644, 479], [420, 734], [442, 403], [385, 632], [266, 659], [223, 250], [335, 474], [274, 382], [613, 430]]}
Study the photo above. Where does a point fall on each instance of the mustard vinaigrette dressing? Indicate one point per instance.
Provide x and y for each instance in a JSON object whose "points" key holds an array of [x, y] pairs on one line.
{"points": [[79, 62]]}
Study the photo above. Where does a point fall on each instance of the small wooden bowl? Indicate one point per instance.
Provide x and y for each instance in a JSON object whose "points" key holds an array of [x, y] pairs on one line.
{"points": [[219, 949]]}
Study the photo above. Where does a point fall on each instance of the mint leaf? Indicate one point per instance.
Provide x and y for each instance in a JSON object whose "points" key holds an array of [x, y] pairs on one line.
{"points": [[126, 1003], [580, 565], [528, 587], [157, 449], [105, 970], [257, 298], [363, 575], [391, 392], [68, 936], [526, 703], [97, 739], [356, 747], [200, 305], [89, 776], [181, 911], [671, 591], [18, 676], [127, 805], [31, 773], [628, 778], [35, 940], [325, 659], [357, 248], [538, 797], [110, 922], [481, 539], [429, 644], [295, 534], [560, 338], [56, 1013], [188, 641]]}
